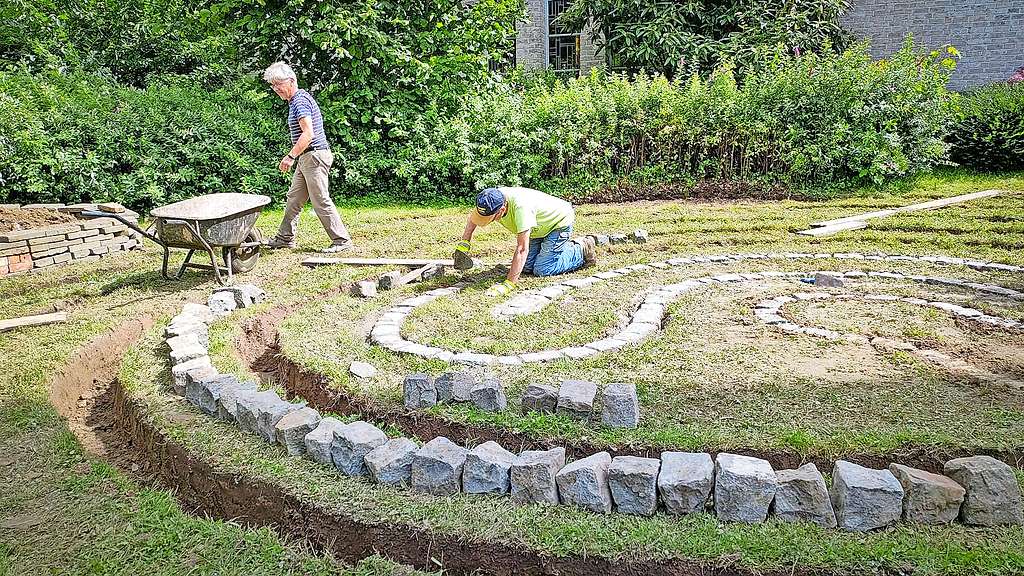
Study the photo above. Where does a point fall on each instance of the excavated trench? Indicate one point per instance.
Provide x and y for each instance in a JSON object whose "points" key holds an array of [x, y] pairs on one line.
{"points": [[259, 347], [114, 426]]}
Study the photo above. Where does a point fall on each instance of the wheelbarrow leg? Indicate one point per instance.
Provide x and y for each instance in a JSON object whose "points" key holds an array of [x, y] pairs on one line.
{"points": [[181, 271], [213, 259]]}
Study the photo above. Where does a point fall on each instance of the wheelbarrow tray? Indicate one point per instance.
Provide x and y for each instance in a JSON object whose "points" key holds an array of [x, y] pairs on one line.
{"points": [[221, 220]]}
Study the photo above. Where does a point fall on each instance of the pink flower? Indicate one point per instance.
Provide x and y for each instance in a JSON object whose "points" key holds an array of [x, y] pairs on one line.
{"points": [[1018, 76]]}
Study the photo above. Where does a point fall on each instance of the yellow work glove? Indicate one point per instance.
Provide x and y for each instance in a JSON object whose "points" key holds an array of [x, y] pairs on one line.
{"points": [[501, 289], [461, 256]]}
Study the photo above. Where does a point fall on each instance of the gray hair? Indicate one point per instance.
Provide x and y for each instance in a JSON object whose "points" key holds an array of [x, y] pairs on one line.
{"points": [[278, 72]]}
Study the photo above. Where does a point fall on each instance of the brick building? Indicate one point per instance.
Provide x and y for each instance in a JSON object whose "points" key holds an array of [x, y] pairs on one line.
{"points": [[988, 33]]}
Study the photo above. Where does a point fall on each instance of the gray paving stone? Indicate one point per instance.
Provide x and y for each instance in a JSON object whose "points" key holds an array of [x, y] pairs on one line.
{"points": [[197, 312], [617, 238], [248, 406], [352, 443], [584, 483], [222, 303], [744, 488], [488, 395], [319, 441], [633, 482], [190, 326], [364, 289], [391, 462], [227, 404], [269, 414], [454, 387], [539, 398], [179, 372], [639, 236], [437, 467], [418, 391], [576, 399], [828, 280], [292, 428], [863, 498], [194, 375], [186, 353], [387, 280], [487, 469], [803, 497], [362, 369], [185, 341], [532, 476], [620, 407], [685, 481], [928, 498], [203, 393], [245, 295], [992, 493]]}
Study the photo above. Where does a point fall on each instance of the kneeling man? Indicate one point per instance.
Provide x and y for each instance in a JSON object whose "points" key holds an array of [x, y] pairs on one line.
{"points": [[543, 228]]}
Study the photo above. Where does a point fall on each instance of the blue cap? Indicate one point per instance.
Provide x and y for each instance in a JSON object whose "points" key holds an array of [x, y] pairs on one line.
{"points": [[489, 201]]}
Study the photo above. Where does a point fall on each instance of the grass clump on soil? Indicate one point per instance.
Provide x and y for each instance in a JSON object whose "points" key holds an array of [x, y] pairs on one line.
{"points": [[566, 531]]}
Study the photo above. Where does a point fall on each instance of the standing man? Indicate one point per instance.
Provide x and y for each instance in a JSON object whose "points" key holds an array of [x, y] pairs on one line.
{"points": [[312, 159], [543, 228]]}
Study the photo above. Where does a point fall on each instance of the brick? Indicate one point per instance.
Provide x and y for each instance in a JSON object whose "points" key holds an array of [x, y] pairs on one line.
{"points": [[51, 252], [52, 206], [15, 248], [83, 234], [48, 239], [97, 223], [24, 264], [61, 258], [42, 262], [17, 235], [100, 250], [114, 229]]}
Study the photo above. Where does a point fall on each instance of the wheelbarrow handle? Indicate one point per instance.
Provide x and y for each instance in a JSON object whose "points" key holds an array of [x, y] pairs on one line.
{"points": [[125, 221]]}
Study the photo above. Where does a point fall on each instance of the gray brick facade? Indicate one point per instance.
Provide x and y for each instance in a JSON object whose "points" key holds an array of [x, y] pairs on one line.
{"points": [[988, 33]]}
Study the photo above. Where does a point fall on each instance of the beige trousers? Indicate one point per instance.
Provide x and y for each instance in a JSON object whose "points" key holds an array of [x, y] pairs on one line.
{"points": [[309, 182]]}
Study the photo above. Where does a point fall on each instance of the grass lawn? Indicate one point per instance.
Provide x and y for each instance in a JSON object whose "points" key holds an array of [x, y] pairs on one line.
{"points": [[712, 378]]}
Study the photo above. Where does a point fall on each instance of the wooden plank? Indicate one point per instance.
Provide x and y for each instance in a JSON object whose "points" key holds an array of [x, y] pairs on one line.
{"points": [[929, 205], [411, 276], [38, 320], [836, 228], [316, 261]]}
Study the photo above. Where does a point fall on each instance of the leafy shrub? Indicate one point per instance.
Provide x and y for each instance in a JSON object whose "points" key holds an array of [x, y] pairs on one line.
{"points": [[835, 119], [83, 138], [989, 131]]}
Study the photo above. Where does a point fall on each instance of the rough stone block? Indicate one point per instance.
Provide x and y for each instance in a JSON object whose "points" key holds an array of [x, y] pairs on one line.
{"points": [[620, 408], [418, 391], [744, 488], [803, 497], [291, 430], [186, 353], [454, 387], [352, 443], [487, 469], [270, 414], [362, 370], [179, 372], [576, 399], [180, 327], [828, 280], [488, 395], [437, 467], [601, 239], [387, 280], [222, 303], [364, 289], [540, 398], [584, 483], [617, 238], [184, 341], [227, 404], [198, 312], [638, 236], [248, 406], [203, 393], [320, 439], [633, 482], [928, 498], [532, 476], [245, 295], [391, 462], [195, 375], [865, 499], [685, 481], [992, 493]]}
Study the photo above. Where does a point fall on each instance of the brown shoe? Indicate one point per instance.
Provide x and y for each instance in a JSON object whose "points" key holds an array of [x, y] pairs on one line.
{"points": [[589, 251]]}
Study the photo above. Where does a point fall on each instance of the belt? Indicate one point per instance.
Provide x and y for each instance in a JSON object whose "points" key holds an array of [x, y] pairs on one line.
{"points": [[316, 150]]}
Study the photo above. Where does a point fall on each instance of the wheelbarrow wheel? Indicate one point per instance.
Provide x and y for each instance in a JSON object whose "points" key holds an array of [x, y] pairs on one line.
{"points": [[244, 258]]}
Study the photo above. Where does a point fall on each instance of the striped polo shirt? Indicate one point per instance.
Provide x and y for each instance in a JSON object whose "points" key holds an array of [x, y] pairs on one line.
{"points": [[300, 106]]}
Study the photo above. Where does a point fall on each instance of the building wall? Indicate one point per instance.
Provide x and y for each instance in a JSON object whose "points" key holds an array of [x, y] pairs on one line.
{"points": [[988, 33]]}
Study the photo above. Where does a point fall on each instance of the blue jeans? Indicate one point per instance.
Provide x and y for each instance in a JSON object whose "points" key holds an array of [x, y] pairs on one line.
{"points": [[554, 254]]}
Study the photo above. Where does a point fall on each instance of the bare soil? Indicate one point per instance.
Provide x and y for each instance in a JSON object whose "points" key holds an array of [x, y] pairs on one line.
{"points": [[12, 219]]}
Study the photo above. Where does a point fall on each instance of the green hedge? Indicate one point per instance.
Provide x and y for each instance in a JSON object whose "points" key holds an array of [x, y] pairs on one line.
{"points": [[833, 120], [84, 138], [989, 131]]}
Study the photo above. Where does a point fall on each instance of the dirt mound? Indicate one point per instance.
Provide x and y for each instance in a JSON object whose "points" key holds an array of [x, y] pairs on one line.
{"points": [[12, 219]]}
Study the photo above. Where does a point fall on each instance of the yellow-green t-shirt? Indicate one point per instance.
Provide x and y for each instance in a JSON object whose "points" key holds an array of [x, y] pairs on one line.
{"points": [[535, 211]]}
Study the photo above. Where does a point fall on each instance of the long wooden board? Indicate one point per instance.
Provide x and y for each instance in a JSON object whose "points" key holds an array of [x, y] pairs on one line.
{"points": [[38, 320], [834, 228], [315, 261], [930, 205]]}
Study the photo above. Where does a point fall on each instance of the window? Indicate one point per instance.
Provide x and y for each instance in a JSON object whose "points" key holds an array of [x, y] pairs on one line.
{"points": [[563, 43]]}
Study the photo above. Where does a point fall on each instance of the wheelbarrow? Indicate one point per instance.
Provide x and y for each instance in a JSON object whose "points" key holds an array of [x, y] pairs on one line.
{"points": [[207, 222]]}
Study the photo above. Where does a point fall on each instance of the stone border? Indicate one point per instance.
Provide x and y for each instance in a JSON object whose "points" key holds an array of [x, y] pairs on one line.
{"points": [[979, 490], [648, 317]]}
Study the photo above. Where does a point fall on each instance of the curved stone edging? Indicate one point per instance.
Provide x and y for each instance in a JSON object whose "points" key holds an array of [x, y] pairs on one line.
{"points": [[648, 317]]}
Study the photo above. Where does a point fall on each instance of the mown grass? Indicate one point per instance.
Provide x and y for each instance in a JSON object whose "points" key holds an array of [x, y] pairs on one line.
{"points": [[564, 530], [715, 378]]}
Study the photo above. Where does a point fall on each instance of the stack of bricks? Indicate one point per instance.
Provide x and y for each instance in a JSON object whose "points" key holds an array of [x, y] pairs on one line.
{"points": [[86, 240]]}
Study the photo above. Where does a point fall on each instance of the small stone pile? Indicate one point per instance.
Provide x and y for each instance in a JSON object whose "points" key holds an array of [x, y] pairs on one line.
{"points": [[620, 407], [638, 236], [424, 391], [84, 240]]}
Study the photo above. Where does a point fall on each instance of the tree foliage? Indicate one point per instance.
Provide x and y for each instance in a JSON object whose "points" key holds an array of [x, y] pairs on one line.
{"points": [[682, 36]]}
